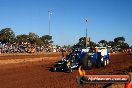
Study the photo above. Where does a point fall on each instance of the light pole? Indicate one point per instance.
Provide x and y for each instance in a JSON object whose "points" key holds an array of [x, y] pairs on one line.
{"points": [[49, 13], [86, 33]]}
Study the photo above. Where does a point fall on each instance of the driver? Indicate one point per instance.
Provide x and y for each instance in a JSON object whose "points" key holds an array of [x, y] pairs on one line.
{"points": [[69, 66]]}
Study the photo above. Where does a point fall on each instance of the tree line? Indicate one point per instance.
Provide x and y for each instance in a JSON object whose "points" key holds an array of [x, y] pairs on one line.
{"points": [[118, 44], [7, 36]]}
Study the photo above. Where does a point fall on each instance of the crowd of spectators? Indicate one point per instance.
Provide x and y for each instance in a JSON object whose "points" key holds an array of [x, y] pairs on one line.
{"points": [[18, 48], [27, 48]]}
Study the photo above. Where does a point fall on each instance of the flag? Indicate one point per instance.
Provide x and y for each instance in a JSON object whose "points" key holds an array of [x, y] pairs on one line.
{"points": [[87, 40]]}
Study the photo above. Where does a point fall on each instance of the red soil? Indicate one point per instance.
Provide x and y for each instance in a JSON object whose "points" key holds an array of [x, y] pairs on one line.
{"points": [[37, 74]]}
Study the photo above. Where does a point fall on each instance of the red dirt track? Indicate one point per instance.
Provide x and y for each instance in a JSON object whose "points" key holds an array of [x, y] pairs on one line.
{"points": [[37, 74]]}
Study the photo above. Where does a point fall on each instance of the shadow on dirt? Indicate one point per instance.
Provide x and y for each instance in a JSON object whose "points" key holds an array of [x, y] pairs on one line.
{"points": [[51, 69], [129, 54], [129, 69], [107, 85]]}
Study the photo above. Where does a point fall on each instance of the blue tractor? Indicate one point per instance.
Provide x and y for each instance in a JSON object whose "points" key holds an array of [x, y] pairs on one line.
{"points": [[97, 58], [87, 58]]}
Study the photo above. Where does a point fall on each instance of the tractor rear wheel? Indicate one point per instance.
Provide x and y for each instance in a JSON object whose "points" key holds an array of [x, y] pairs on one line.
{"points": [[87, 63], [98, 59]]}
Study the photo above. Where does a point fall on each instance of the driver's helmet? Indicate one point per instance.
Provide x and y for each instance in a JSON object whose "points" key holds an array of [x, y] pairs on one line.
{"points": [[67, 60]]}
